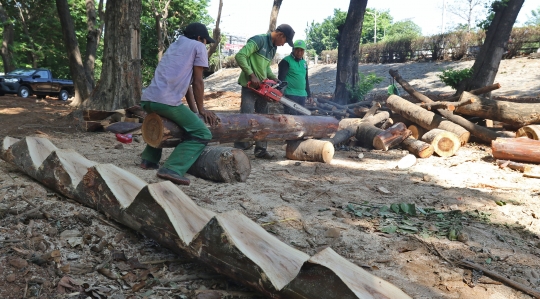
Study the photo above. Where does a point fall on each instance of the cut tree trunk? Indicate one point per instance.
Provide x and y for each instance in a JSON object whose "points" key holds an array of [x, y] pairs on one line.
{"points": [[417, 147], [517, 114], [480, 132], [160, 132], [532, 132], [417, 131], [445, 144], [310, 150], [366, 133], [424, 118], [229, 242], [222, 164], [516, 149], [348, 126], [514, 165], [391, 137]]}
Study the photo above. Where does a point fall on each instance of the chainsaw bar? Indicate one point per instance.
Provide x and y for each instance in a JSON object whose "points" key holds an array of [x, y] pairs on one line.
{"points": [[294, 105]]}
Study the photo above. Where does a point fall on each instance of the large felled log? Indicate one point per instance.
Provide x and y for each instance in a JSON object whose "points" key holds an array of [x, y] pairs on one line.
{"points": [[366, 133], [424, 118], [348, 126], [160, 132], [310, 150], [391, 137], [532, 132], [517, 114], [444, 143], [480, 132], [516, 149], [417, 147], [222, 164], [228, 242]]}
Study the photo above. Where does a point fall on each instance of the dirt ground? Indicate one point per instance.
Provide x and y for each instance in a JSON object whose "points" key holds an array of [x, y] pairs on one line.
{"points": [[465, 208]]}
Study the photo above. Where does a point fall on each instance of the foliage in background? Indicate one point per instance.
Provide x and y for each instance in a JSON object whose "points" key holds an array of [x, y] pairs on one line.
{"points": [[44, 38], [365, 84], [323, 36], [180, 14], [492, 8], [452, 77], [403, 29], [384, 22], [534, 18]]}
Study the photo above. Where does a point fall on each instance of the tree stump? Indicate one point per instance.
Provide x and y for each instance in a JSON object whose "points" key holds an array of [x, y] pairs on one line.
{"points": [[222, 164], [445, 144], [310, 150]]}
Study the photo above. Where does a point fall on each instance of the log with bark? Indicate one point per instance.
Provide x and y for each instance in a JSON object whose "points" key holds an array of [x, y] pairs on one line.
{"points": [[391, 137], [445, 144], [516, 149], [480, 132], [160, 132], [516, 114], [532, 132], [222, 164], [228, 242], [310, 150], [477, 92], [417, 131], [417, 147], [424, 118], [349, 126]]}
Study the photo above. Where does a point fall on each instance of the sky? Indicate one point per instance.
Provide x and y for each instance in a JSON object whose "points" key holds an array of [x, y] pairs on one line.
{"points": [[251, 17]]}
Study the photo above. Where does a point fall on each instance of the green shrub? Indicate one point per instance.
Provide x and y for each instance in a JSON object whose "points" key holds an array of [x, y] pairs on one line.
{"points": [[451, 77], [365, 84]]}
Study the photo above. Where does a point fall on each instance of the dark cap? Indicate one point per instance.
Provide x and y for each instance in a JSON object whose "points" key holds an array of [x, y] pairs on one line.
{"points": [[288, 31], [195, 30]]}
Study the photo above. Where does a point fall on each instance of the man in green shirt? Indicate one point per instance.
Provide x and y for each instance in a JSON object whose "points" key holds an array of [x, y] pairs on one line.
{"points": [[293, 69], [254, 59]]}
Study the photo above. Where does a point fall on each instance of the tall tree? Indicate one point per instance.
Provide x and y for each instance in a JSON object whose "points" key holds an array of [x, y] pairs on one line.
{"points": [[161, 12], [487, 61], [216, 33], [324, 36], [384, 21], [23, 12], [7, 42], [274, 15], [93, 35], [468, 10], [120, 82], [348, 58]]}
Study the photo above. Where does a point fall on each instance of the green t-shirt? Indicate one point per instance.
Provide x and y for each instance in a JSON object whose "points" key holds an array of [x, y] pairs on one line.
{"points": [[296, 76], [256, 57]]}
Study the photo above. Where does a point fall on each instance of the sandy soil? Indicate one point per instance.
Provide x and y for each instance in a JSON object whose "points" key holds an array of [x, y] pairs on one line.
{"points": [[339, 204]]}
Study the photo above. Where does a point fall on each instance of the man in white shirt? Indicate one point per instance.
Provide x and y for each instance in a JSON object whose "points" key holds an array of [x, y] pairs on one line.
{"points": [[179, 74]]}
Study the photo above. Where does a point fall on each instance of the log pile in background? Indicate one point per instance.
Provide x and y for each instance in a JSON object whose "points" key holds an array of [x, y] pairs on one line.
{"points": [[98, 120], [229, 242]]}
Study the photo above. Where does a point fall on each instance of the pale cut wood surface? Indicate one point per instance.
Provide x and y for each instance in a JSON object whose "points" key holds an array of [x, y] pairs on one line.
{"points": [[74, 164], [39, 149], [123, 184]]}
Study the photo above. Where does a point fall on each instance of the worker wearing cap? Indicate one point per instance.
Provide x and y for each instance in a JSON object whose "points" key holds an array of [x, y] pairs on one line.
{"points": [[294, 70], [254, 59], [179, 74]]}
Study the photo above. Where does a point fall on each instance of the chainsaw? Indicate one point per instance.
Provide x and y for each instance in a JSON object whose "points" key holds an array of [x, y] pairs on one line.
{"points": [[272, 91]]}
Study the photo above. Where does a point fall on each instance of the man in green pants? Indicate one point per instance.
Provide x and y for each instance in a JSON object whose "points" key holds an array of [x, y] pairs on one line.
{"points": [[254, 59], [179, 74], [294, 70]]}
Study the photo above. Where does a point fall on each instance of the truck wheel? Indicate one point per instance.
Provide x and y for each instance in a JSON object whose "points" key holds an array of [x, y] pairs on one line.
{"points": [[24, 92], [63, 95]]}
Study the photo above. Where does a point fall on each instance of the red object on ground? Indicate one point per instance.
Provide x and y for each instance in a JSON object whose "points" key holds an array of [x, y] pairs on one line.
{"points": [[124, 138]]}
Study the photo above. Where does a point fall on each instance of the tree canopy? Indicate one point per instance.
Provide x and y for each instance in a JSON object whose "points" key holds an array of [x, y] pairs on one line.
{"points": [[323, 36], [534, 18]]}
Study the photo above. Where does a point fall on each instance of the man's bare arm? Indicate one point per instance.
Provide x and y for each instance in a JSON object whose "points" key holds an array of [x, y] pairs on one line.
{"points": [[198, 92], [191, 100]]}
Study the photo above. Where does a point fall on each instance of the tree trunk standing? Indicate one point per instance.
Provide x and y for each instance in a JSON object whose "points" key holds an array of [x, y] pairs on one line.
{"points": [[274, 15], [83, 86], [33, 55], [349, 43], [161, 16], [7, 41], [92, 37], [217, 33], [120, 83], [487, 61]]}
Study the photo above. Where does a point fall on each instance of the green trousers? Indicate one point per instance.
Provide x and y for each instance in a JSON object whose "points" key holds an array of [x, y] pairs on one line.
{"points": [[187, 152]]}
